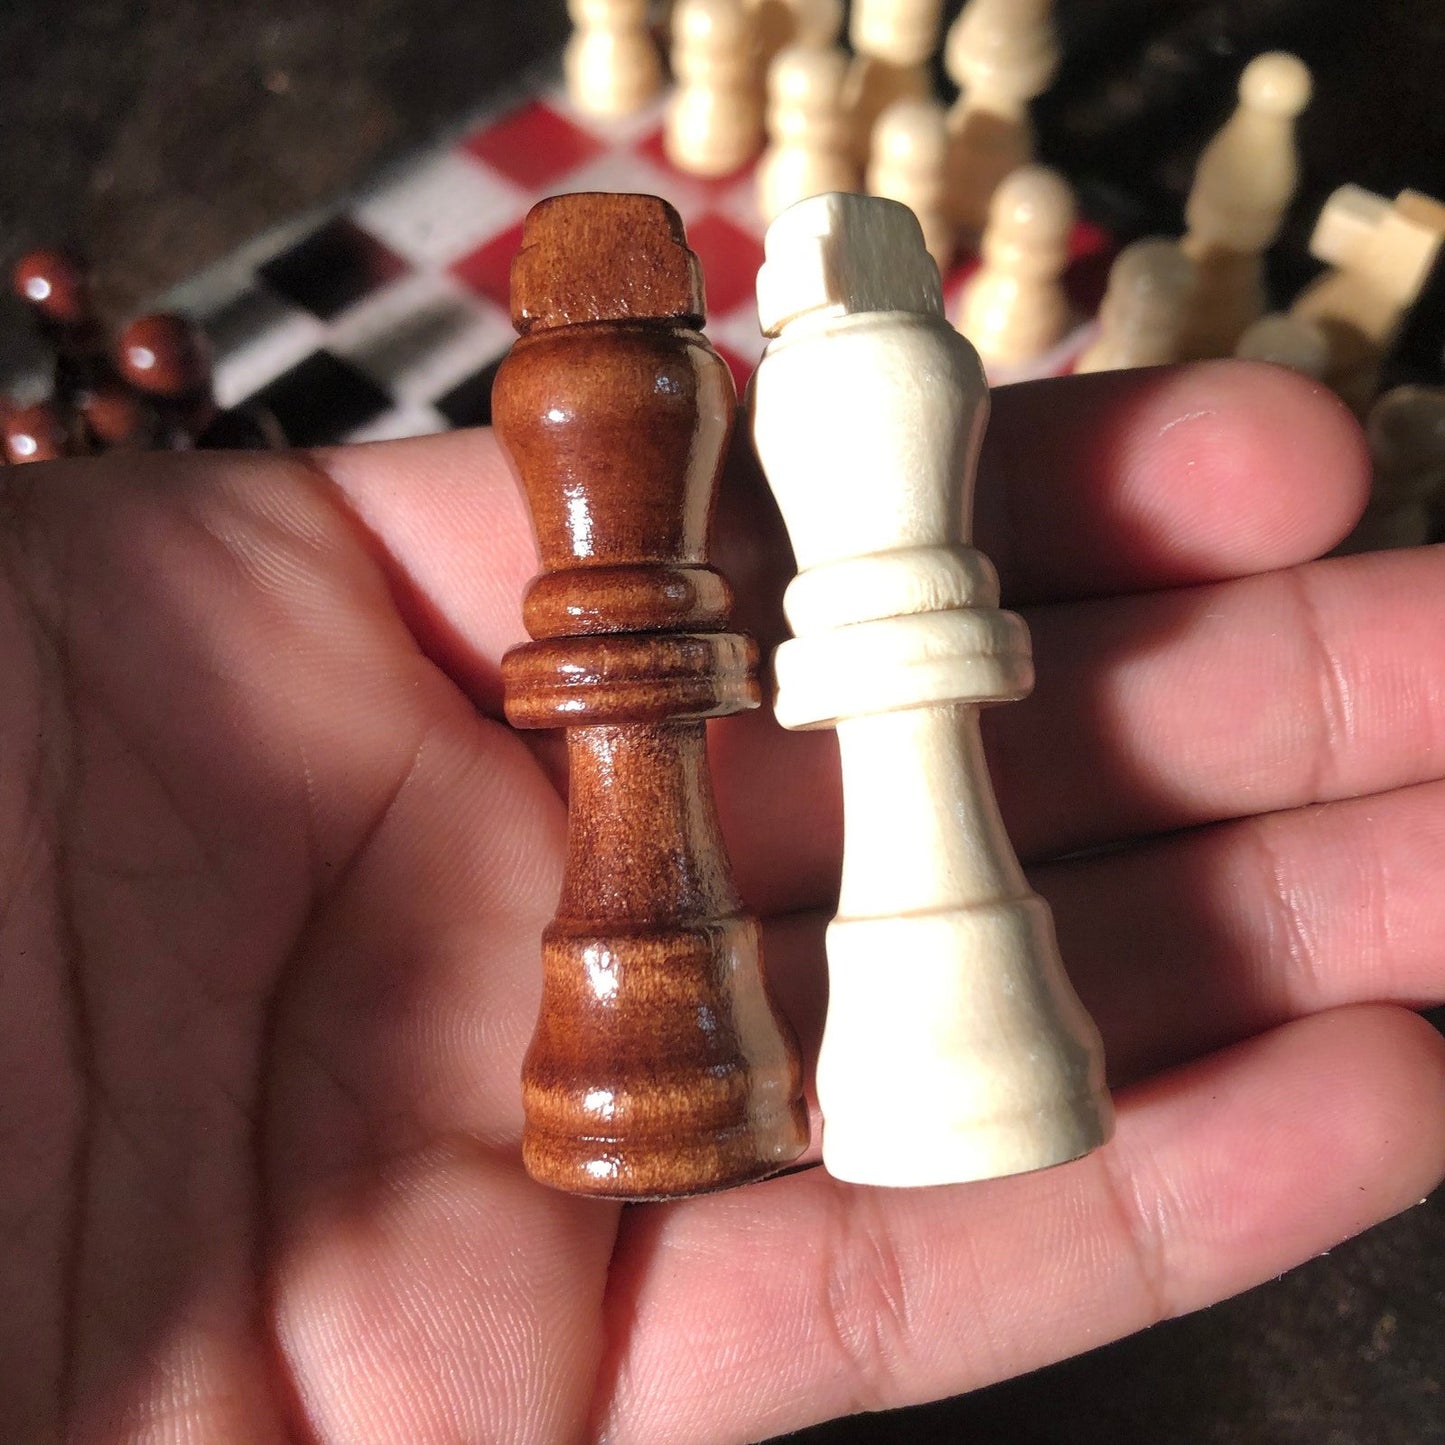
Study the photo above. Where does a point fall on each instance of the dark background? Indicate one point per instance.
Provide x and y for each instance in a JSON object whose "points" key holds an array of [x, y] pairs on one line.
{"points": [[159, 134]]}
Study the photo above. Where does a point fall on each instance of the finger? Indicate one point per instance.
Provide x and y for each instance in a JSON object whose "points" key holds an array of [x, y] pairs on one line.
{"points": [[1153, 713], [446, 518], [1121, 481], [1204, 938], [831, 1298], [1300, 686], [1199, 940], [1130, 480]]}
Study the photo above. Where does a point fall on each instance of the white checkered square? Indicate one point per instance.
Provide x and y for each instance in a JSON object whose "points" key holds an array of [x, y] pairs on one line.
{"points": [[420, 336], [441, 208], [257, 335], [399, 422]]}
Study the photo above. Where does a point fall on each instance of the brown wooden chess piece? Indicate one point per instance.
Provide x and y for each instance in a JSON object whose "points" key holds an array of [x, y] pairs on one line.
{"points": [[660, 1066]]}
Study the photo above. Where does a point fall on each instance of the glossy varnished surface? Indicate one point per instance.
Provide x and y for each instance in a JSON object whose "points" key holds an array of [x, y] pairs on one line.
{"points": [[659, 1066]]}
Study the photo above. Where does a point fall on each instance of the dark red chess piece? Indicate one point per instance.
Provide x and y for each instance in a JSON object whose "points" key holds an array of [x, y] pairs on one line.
{"points": [[660, 1066], [167, 360], [34, 433], [118, 418], [55, 286]]}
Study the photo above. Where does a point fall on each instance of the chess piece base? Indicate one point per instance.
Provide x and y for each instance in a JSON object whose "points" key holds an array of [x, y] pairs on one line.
{"points": [[659, 1069], [983, 1063]]}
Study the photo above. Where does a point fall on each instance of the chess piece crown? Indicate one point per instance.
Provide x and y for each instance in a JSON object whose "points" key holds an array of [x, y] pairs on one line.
{"points": [[659, 1066], [901, 32]]}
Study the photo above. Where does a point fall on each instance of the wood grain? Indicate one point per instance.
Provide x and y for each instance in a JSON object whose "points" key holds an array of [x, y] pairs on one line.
{"points": [[660, 1066]]}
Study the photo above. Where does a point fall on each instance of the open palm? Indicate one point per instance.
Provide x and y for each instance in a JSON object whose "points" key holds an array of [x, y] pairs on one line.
{"points": [[273, 875]]}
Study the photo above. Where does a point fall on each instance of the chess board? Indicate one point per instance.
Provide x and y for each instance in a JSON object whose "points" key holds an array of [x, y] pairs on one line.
{"points": [[388, 315]]}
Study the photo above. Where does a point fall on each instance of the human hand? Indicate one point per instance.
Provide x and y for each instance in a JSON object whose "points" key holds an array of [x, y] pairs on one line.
{"points": [[274, 875]]}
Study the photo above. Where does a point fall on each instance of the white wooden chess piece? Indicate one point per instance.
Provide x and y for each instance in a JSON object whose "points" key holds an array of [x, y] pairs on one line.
{"points": [[1406, 431], [715, 121], [1014, 308], [910, 150], [777, 24], [808, 153], [1243, 185], [611, 65], [955, 1048], [1382, 253], [1143, 309], [1002, 54], [1289, 341], [893, 41]]}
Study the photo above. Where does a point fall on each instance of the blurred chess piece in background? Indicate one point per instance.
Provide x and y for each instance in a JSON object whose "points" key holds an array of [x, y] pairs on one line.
{"points": [[1243, 186], [808, 151], [1001, 54]]}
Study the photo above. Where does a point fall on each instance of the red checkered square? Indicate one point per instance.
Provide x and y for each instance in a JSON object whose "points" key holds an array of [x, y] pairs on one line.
{"points": [[533, 146], [1089, 239], [1091, 253], [964, 265], [731, 258], [488, 270]]}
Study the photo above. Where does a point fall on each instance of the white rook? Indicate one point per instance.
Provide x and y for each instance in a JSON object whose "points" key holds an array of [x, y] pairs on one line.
{"points": [[955, 1047]]}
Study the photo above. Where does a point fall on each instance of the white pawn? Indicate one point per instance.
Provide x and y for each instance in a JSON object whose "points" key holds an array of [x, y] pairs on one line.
{"points": [[781, 23], [809, 152], [1143, 309], [715, 120], [1243, 185], [954, 1047], [1002, 54], [910, 148], [1288, 341], [1015, 309], [611, 65], [893, 41], [1406, 431]]}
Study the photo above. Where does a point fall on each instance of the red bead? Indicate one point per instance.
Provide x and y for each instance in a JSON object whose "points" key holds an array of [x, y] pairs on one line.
{"points": [[56, 284], [33, 434], [164, 356]]}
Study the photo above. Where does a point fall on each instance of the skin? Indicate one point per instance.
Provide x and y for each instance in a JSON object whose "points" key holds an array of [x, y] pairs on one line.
{"points": [[272, 874]]}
